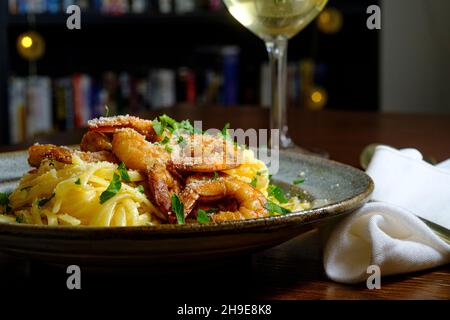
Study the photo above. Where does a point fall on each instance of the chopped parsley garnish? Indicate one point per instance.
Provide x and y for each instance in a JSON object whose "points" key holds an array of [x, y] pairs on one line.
{"points": [[106, 111], [168, 121], [158, 127], [202, 216], [180, 140], [178, 208], [277, 193], [270, 176], [275, 209], [225, 132], [168, 148], [165, 140], [123, 171], [26, 188], [78, 182], [20, 219], [298, 181], [4, 199], [187, 126], [44, 201], [112, 189], [165, 122], [254, 182], [141, 189]]}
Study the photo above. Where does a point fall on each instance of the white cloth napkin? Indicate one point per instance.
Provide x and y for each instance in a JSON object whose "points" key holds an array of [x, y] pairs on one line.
{"points": [[387, 231]]}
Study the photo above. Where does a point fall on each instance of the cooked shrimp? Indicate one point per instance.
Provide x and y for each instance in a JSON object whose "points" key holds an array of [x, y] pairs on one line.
{"points": [[95, 141], [37, 153], [138, 154], [162, 185], [206, 188], [197, 153], [112, 124], [97, 156], [205, 153]]}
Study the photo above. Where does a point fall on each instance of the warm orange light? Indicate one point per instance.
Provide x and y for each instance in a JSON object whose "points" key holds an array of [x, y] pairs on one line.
{"points": [[325, 17], [30, 45], [26, 42], [330, 21], [316, 97]]}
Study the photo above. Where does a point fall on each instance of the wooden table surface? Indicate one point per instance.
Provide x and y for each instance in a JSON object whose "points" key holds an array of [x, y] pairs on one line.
{"points": [[294, 270]]}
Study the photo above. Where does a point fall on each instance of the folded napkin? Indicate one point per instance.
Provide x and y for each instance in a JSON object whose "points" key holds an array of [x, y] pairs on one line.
{"points": [[388, 232]]}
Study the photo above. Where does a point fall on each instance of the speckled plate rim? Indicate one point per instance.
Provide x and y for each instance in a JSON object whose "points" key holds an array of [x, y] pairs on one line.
{"points": [[180, 231]]}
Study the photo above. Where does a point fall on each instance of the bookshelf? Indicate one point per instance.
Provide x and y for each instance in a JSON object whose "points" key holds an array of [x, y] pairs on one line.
{"points": [[137, 43]]}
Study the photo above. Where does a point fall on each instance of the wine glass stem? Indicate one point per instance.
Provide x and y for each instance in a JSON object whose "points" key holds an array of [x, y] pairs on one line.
{"points": [[277, 49]]}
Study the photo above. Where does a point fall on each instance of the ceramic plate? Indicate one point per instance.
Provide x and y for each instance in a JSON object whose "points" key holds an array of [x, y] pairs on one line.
{"points": [[336, 190]]}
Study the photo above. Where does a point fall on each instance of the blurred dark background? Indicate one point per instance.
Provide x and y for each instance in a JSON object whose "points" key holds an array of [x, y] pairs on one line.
{"points": [[138, 55]]}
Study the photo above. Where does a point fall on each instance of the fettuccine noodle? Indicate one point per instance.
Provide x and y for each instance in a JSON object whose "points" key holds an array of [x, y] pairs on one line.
{"points": [[68, 194]]}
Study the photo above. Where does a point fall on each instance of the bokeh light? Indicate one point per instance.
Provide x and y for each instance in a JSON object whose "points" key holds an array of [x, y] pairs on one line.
{"points": [[31, 45], [330, 21]]}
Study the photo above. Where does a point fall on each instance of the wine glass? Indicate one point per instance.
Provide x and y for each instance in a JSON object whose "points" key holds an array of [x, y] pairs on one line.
{"points": [[275, 22]]}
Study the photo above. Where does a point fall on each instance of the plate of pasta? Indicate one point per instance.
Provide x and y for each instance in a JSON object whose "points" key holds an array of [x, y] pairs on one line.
{"points": [[153, 191]]}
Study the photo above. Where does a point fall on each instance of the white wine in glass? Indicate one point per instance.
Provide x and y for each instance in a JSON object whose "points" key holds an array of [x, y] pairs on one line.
{"points": [[276, 21]]}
